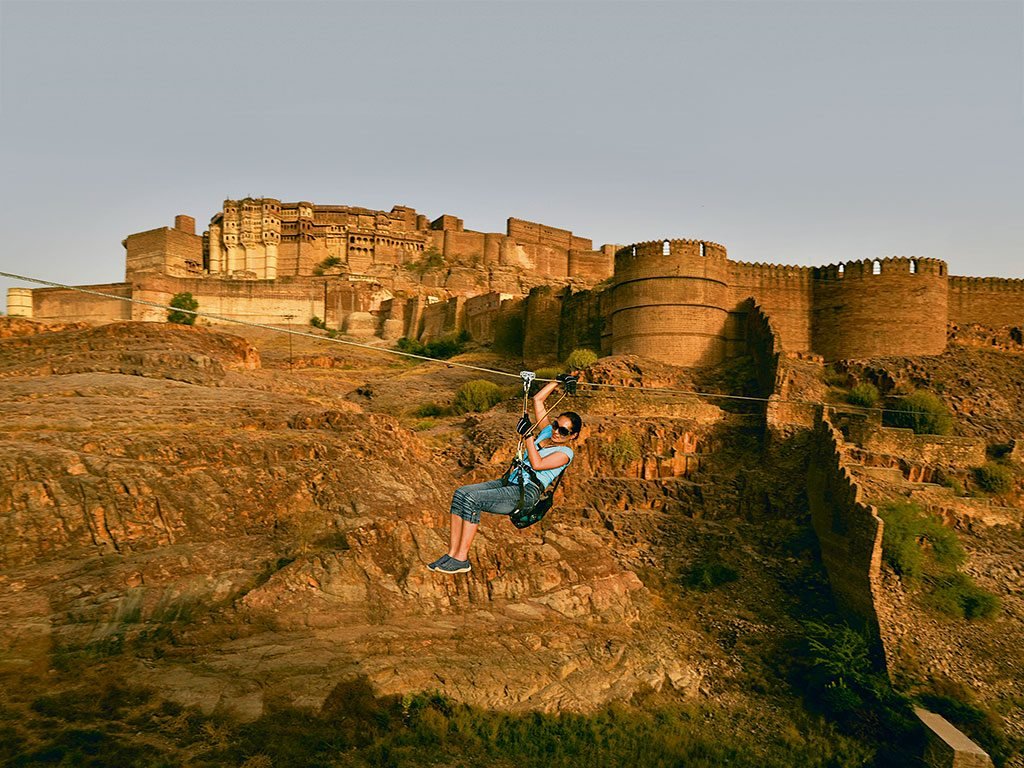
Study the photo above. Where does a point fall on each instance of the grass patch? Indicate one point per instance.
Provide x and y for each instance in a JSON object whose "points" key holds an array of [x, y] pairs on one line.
{"points": [[956, 595], [580, 359], [922, 412], [863, 395], [705, 575], [477, 396], [994, 478], [913, 539], [354, 727], [621, 451], [927, 554]]}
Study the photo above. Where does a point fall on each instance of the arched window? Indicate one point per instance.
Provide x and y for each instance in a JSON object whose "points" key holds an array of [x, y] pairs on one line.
{"points": [[664, 248], [634, 250], [913, 266], [842, 271], [876, 267], [702, 253]]}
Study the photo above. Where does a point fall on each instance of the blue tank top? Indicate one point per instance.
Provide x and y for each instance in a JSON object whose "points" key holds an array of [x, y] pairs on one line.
{"points": [[546, 476]]}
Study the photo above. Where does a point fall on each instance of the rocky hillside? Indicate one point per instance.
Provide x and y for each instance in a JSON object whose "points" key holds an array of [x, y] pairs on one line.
{"points": [[237, 523]]}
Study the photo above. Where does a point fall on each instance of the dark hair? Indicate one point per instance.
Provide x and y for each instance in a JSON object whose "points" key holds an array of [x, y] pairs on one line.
{"points": [[577, 422]]}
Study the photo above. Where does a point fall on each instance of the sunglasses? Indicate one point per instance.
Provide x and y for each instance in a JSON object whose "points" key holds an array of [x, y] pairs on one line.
{"points": [[556, 427]]}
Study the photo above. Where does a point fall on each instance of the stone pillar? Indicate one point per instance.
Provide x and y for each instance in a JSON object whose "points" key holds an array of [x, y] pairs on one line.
{"points": [[19, 302]]}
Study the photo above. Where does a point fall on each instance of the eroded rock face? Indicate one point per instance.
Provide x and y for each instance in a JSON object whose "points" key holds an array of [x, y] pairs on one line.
{"points": [[280, 539], [161, 350]]}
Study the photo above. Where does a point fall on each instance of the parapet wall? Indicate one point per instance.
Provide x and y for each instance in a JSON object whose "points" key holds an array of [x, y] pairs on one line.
{"points": [[786, 293], [992, 301], [893, 306]]}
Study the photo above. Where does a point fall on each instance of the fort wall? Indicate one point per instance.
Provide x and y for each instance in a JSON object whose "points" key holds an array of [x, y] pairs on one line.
{"points": [[762, 342], [481, 315], [991, 301], [579, 323], [58, 304], [670, 301], [893, 306], [542, 324], [260, 301], [849, 531], [163, 251], [784, 292]]}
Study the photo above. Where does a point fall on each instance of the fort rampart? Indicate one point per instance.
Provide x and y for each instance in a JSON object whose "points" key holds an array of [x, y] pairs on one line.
{"points": [[670, 301], [680, 301], [849, 531], [991, 301]]}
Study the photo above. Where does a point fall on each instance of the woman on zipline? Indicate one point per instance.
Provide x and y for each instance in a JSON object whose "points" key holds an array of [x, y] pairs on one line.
{"points": [[549, 454]]}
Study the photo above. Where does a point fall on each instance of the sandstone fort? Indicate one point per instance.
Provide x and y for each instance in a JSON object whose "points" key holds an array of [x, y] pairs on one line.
{"points": [[396, 273]]}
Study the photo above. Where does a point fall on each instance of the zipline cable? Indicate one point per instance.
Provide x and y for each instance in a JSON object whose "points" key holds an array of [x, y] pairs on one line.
{"points": [[449, 363]]}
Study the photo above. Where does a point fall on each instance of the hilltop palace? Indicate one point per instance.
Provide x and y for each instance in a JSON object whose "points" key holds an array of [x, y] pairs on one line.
{"points": [[395, 273]]}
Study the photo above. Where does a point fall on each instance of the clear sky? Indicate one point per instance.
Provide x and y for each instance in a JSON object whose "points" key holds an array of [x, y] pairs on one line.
{"points": [[790, 132]]}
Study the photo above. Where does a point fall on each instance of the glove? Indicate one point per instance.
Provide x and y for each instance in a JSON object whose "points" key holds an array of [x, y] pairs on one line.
{"points": [[524, 426], [568, 381]]}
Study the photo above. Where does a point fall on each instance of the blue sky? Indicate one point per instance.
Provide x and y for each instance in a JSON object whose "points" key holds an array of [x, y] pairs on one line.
{"points": [[799, 132]]}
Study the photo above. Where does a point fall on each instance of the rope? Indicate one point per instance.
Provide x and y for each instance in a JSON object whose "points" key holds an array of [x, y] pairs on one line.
{"points": [[449, 363]]}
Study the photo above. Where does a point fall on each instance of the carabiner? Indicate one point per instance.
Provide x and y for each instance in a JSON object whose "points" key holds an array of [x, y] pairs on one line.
{"points": [[527, 377]]}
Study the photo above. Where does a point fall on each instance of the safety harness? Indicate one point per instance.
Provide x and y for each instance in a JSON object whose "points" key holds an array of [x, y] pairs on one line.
{"points": [[520, 516]]}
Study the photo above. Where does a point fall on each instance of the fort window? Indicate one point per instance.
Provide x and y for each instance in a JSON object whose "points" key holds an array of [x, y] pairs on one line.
{"points": [[702, 250], [913, 266], [876, 267], [842, 271], [634, 250], [664, 248]]}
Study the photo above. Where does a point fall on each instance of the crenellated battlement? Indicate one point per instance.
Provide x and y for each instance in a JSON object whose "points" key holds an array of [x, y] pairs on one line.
{"points": [[890, 265], [758, 272], [992, 284], [676, 247]]}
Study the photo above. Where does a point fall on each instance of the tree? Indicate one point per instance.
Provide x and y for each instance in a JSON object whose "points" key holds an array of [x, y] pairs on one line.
{"points": [[186, 302]]}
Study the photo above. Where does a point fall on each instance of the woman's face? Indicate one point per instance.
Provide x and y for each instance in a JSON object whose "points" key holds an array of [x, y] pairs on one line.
{"points": [[561, 429]]}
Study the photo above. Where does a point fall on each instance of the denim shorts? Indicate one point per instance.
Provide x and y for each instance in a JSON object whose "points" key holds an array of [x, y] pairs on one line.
{"points": [[493, 496]]}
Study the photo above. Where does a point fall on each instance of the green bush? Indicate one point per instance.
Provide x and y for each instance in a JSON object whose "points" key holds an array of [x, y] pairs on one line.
{"points": [[836, 378], [429, 410], [834, 667], [994, 478], [548, 373], [330, 261], [183, 301], [908, 529], [922, 412], [579, 359], [865, 395], [476, 396], [957, 595], [953, 483], [622, 451], [439, 349], [705, 575], [316, 322], [430, 261]]}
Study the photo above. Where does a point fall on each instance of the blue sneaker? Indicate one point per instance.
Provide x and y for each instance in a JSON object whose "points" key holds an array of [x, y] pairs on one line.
{"points": [[451, 565], [440, 561]]}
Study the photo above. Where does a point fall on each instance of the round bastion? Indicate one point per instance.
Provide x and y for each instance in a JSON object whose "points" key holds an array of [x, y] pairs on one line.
{"points": [[670, 301], [870, 308]]}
